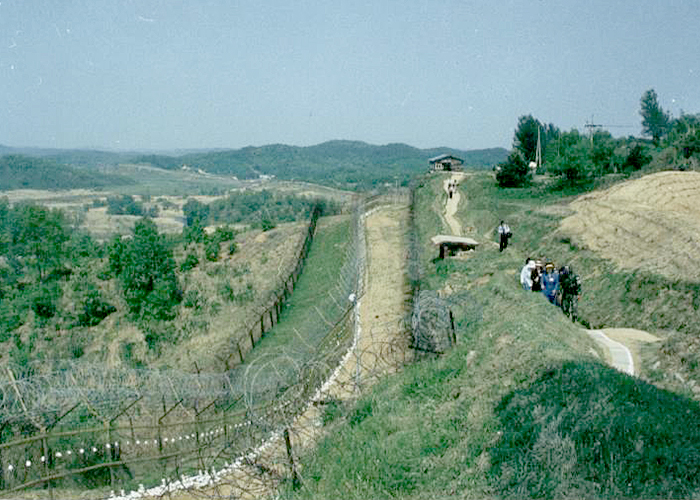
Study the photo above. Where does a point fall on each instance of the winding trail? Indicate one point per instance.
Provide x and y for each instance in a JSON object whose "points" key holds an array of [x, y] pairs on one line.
{"points": [[620, 345], [620, 357], [452, 203]]}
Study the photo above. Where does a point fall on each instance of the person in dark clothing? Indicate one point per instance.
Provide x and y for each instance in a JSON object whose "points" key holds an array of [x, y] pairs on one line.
{"points": [[504, 233], [536, 277], [570, 285]]}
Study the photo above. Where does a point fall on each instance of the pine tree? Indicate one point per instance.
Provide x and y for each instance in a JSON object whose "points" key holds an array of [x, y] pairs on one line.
{"points": [[655, 121]]}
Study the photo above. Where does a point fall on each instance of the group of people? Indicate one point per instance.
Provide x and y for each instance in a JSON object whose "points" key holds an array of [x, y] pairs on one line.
{"points": [[562, 287], [451, 187]]}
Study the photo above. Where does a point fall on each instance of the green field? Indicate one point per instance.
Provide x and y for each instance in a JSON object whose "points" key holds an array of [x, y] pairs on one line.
{"points": [[319, 301]]}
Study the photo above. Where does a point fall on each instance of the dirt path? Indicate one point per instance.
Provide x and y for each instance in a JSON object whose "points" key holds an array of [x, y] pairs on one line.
{"points": [[453, 203], [380, 347], [622, 347]]}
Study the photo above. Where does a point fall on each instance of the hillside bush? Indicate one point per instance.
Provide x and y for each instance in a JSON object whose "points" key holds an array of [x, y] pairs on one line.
{"points": [[44, 301], [124, 205], [514, 172], [212, 249], [191, 261], [94, 310], [587, 430]]}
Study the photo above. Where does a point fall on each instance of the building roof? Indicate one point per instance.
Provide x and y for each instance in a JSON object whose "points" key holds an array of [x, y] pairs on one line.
{"points": [[456, 240], [444, 157]]}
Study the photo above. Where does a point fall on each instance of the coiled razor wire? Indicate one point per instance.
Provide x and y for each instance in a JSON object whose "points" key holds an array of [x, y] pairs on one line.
{"points": [[434, 319], [275, 387]]}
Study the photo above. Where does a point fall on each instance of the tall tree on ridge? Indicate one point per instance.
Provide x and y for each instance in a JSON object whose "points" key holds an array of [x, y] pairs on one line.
{"points": [[655, 121]]}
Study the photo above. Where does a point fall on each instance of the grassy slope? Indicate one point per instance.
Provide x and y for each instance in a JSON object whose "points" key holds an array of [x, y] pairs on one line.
{"points": [[520, 408], [296, 332], [611, 297]]}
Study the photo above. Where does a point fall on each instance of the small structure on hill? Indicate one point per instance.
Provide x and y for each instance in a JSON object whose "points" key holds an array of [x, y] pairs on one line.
{"points": [[450, 244], [447, 163]]}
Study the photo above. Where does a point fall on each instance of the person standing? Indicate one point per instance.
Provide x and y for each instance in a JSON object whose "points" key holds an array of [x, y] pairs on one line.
{"points": [[550, 282], [536, 277], [504, 233], [526, 274], [570, 292]]}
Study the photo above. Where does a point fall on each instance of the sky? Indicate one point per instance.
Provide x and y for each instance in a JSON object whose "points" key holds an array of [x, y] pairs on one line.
{"points": [[176, 74]]}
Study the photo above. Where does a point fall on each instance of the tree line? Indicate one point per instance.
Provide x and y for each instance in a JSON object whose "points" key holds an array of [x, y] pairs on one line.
{"points": [[578, 159], [57, 282], [26, 172]]}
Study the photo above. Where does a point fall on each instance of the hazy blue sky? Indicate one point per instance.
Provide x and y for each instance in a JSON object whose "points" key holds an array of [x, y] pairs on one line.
{"points": [[162, 74]]}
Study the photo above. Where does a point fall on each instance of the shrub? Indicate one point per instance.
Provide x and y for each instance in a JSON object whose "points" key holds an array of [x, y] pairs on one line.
{"points": [[211, 250], [224, 233], [124, 205], [158, 333], [636, 159], [193, 233], [190, 262], [44, 302], [193, 299], [95, 310], [514, 172]]}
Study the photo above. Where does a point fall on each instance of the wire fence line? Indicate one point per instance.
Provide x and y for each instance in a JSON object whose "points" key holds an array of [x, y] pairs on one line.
{"points": [[40, 391], [229, 433], [92, 427]]}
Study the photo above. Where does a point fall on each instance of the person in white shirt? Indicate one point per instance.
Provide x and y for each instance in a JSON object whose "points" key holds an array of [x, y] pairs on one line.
{"points": [[526, 274], [504, 233]]}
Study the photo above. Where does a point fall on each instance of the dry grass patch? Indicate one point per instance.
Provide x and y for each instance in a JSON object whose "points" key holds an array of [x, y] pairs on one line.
{"points": [[650, 224]]}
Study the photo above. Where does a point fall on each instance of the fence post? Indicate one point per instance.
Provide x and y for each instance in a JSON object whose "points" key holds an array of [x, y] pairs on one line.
{"points": [[196, 423], [47, 462], [240, 353], [114, 454], [160, 422], [290, 456]]}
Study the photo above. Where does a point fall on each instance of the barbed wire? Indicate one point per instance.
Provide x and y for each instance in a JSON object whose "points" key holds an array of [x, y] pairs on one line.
{"points": [[278, 396], [271, 389]]}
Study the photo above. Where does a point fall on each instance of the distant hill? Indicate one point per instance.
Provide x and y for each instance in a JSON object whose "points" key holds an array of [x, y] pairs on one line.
{"points": [[25, 172], [334, 162]]}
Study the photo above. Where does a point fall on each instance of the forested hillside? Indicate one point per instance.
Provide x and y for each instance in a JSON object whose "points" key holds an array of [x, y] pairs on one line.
{"points": [[335, 162], [25, 172]]}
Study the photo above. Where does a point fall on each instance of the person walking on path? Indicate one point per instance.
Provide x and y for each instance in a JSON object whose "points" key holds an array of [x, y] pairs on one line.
{"points": [[550, 282], [570, 291], [504, 233]]}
